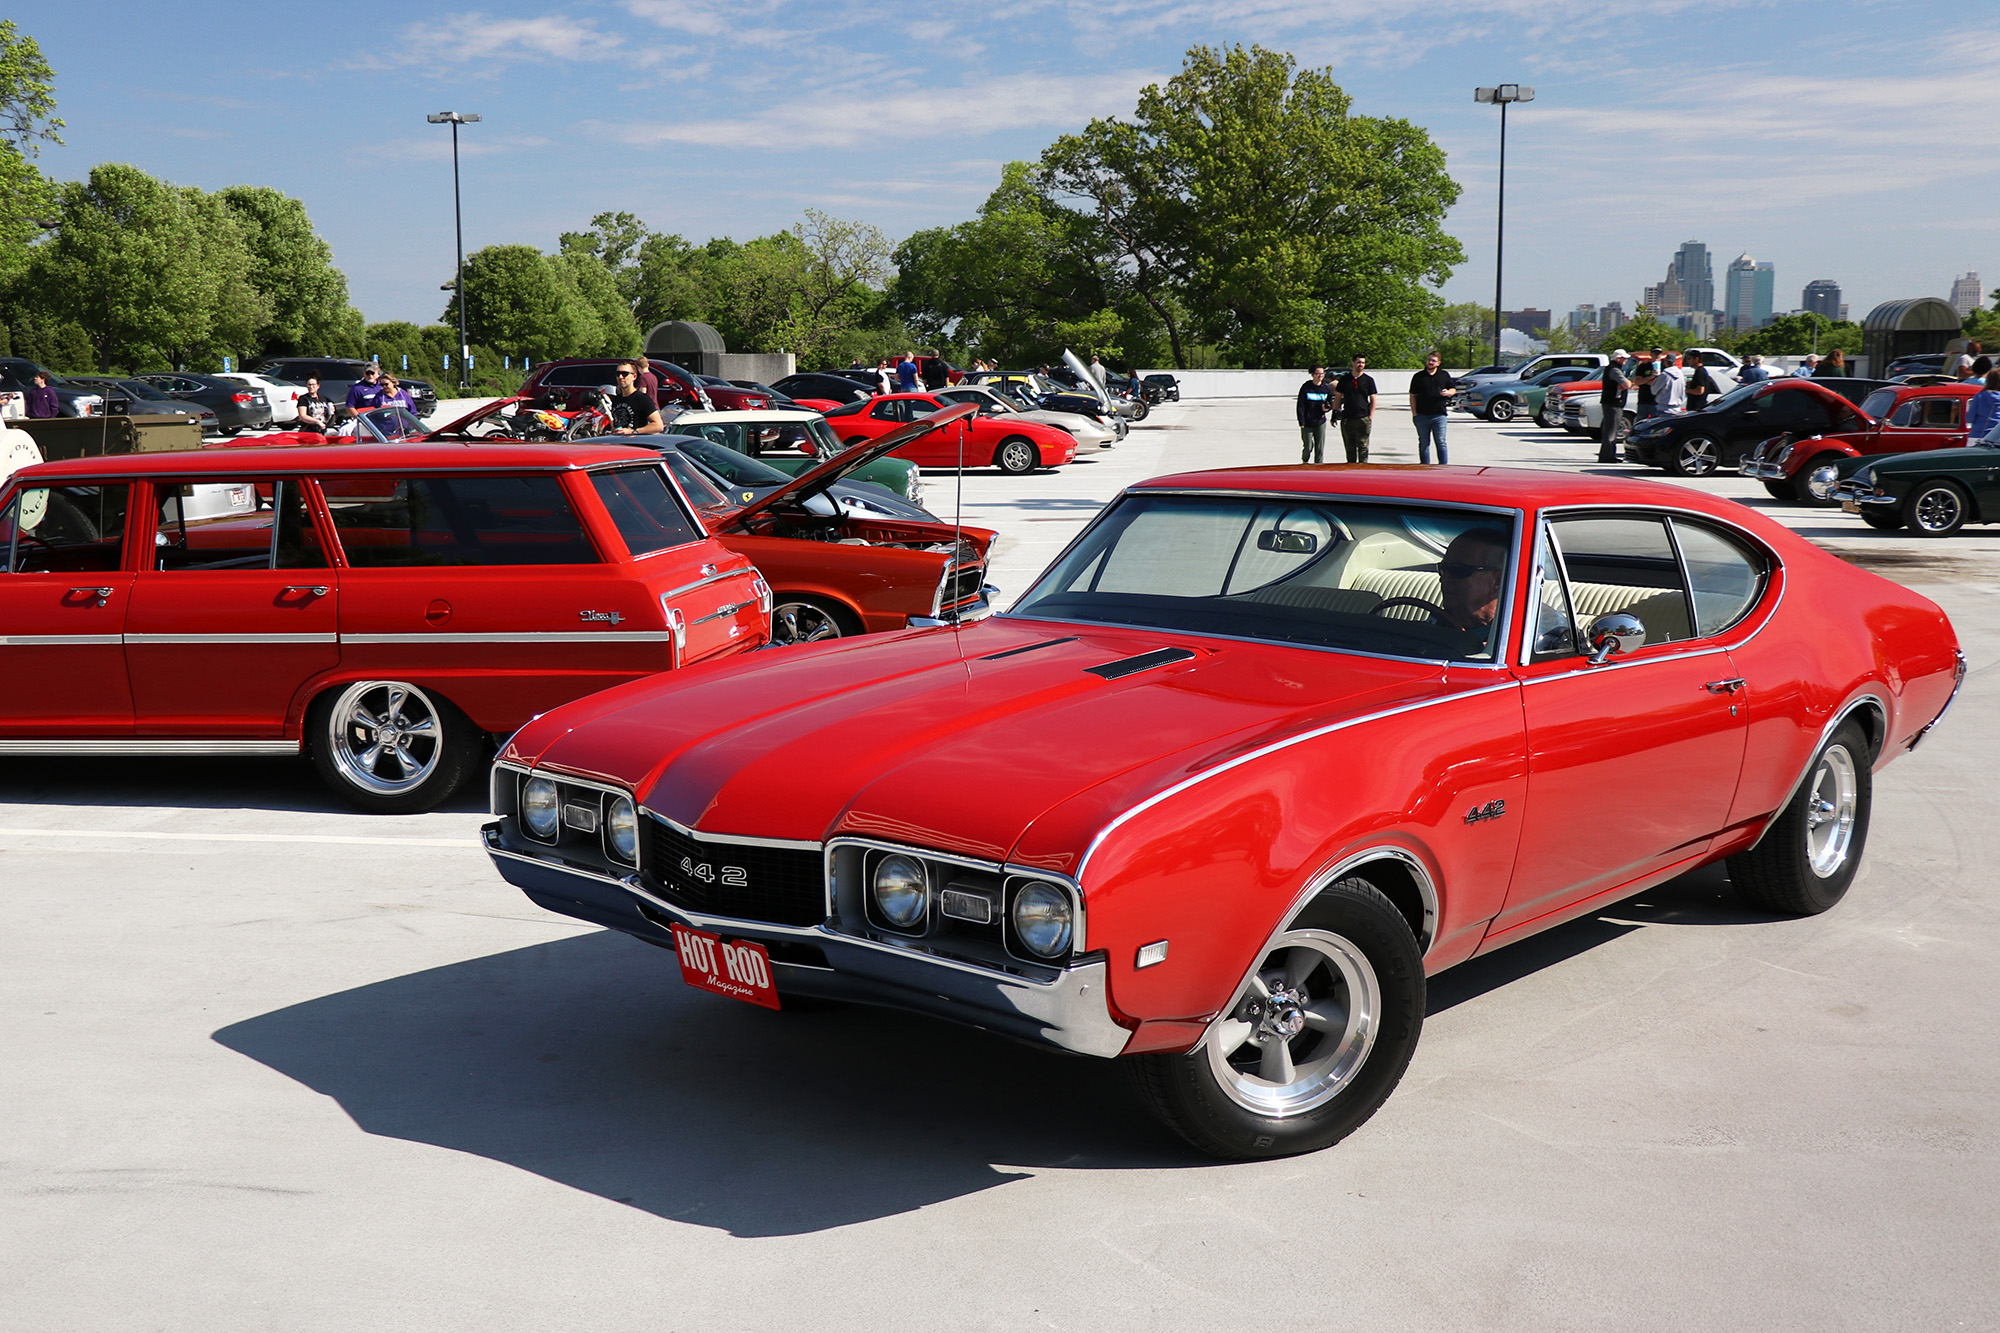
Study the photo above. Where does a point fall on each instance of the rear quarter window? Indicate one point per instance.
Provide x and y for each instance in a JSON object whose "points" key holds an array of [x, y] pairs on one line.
{"points": [[390, 522], [642, 507]]}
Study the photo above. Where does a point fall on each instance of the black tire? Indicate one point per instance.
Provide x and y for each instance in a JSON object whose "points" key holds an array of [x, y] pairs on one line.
{"points": [[1800, 493], [798, 617], [1577, 430], [1779, 873], [1695, 455], [1782, 490], [340, 745], [1547, 419], [1936, 509], [1017, 456], [1141, 410], [1189, 1096], [1500, 411], [1882, 521], [231, 430]]}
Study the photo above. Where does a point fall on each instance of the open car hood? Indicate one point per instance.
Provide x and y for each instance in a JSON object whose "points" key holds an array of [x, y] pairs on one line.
{"points": [[477, 414], [845, 463], [1090, 384]]}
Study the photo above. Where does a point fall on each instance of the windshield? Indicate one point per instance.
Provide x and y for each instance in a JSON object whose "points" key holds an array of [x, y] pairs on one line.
{"points": [[1740, 394], [1388, 578], [1878, 403], [698, 488], [734, 468]]}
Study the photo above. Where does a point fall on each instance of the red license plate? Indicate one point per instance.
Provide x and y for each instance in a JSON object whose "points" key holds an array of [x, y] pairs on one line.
{"points": [[740, 969]]}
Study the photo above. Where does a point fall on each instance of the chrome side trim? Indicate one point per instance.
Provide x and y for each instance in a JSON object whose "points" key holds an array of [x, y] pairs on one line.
{"points": [[142, 640], [1317, 882], [744, 573], [60, 640], [571, 636], [726, 609], [1083, 866], [1957, 683], [1826, 733], [121, 746]]}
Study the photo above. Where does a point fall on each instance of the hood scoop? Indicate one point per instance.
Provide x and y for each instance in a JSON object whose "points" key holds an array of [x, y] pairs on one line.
{"points": [[1029, 648], [1132, 666]]}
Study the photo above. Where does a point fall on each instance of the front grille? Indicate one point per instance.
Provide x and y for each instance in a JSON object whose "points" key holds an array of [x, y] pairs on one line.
{"points": [[964, 585], [781, 885]]}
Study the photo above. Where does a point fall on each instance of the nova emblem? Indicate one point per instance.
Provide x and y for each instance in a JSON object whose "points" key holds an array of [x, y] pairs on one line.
{"points": [[1491, 810], [731, 876], [608, 617]]}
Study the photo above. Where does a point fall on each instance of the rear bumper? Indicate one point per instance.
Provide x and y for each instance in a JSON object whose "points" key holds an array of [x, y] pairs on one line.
{"points": [[1071, 1013]]}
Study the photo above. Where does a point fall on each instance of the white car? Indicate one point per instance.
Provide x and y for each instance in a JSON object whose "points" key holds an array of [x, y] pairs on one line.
{"points": [[1582, 411], [282, 395], [1089, 434]]}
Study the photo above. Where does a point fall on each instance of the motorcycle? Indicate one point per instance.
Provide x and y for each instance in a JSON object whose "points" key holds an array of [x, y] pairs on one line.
{"points": [[548, 421]]}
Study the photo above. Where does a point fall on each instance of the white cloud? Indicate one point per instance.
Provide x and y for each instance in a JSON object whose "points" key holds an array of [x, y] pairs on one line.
{"points": [[464, 39]]}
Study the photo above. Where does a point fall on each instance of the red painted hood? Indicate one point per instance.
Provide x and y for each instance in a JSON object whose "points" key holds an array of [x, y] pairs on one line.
{"points": [[950, 739]]}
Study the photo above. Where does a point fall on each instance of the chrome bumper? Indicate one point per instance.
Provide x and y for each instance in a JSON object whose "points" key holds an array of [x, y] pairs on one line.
{"points": [[1847, 490], [975, 610], [1751, 467], [1071, 1012]]}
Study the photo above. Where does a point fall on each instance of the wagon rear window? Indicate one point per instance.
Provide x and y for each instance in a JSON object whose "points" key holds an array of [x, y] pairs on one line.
{"points": [[392, 522], [643, 509], [1386, 578]]}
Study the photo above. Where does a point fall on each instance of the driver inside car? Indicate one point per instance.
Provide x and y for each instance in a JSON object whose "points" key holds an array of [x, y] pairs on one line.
{"points": [[1469, 580]]}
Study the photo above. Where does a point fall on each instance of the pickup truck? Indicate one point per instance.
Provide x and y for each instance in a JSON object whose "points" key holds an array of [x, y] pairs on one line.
{"points": [[1528, 370]]}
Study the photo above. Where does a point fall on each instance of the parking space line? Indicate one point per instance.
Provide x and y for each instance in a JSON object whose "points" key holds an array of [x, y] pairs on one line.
{"points": [[324, 839]]}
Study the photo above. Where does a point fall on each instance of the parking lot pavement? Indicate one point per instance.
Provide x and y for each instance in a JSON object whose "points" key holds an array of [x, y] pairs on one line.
{"points": [[269, 1064]]}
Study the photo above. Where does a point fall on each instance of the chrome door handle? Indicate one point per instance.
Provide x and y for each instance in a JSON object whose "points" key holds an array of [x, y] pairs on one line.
{"points": [[316, 589], [102, 595], [1730, 686]]}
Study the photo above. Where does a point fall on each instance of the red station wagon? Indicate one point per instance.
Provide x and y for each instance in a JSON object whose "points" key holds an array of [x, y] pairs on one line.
{"points": [[384, 609]]}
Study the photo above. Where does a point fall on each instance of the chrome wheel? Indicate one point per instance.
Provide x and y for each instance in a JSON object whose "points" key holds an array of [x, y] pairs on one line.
{"points": [[1937, 511], [1017, 456], [1501, 410], [1831, 803], [1302, 1027], [1697, 456], [803, 622], [385, 737]]}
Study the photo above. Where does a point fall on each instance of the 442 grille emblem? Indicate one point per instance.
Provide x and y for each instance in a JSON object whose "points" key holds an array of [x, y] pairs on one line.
{"points": [[1491, 810], [731, 876]]}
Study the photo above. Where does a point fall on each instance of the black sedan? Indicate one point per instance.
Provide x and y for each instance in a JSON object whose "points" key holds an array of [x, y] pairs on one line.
{"points": [[236, 405], [1696, 444], [1933, 494], [138, 398], [827, 387], [1169, 387]]}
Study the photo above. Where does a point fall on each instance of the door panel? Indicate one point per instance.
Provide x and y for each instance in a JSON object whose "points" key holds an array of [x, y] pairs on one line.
{"points": [[63, 598]]}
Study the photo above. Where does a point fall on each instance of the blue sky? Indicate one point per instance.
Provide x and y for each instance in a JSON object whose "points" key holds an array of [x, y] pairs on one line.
{"points": [[1842, 138]]}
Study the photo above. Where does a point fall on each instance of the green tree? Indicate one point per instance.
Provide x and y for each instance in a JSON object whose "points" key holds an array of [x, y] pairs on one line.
{"points": [[1288, 225], [522, 304], [611, 330], [27, 118], [292, 269], [229, 309], [1462, 334], [1796, 335]]}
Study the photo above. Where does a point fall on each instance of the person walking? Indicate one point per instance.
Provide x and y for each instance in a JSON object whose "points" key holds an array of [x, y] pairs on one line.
{"points": [[649, 383], [315, 408], [1669, 389], [1357, 409], [1611, 397], [1314, 395], [906, 373], [1982, 410], [1431, 392], [1701, 386], [43, 402], [1834, 367]]}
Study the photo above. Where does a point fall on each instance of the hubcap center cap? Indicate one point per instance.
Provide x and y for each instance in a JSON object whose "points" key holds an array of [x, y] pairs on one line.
{"points": [[1284, 1014]]}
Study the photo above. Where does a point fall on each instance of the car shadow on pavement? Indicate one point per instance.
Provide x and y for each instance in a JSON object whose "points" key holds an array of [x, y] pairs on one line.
{"points": [[1702, 897], [193, 783], [586, 1061]]}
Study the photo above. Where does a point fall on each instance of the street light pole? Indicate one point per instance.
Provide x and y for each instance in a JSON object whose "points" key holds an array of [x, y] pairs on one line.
{"points": [[1501, 96], [456, 119]]}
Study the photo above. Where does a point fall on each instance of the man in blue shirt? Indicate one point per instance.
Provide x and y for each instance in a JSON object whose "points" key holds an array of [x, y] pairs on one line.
{"points": [[366, 392], [1313, 396], [906, 373]]}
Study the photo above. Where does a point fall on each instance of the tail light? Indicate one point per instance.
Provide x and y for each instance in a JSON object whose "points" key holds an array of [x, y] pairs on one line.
{"points": [[242, 398]]}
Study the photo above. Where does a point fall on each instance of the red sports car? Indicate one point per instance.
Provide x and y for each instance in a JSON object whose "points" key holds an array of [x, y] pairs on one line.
{"points": [[1009, 442], [1262, 750]]}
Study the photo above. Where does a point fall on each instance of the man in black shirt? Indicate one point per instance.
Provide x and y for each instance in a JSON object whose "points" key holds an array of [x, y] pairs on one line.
{"points": [[1701, 386], [1357, 409], [1314, 395], [632, 411], [1431, 392], [1612, 399]]}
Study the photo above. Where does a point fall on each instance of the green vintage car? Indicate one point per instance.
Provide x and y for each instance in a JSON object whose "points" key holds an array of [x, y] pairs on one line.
{"points": [[1933, 494], [1503, 400], [792, 441]]}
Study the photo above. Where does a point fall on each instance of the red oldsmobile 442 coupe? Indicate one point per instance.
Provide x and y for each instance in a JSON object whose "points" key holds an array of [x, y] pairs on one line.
{"points": [[1262, 750], [382, 608]]}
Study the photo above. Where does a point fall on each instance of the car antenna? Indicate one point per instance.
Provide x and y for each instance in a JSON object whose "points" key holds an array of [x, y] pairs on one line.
{"points": [[957, 516]]}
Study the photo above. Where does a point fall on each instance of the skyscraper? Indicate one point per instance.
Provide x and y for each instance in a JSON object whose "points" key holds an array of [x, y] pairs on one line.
{"points": [[1695, 271], [1966, 296], [1583, 319], [1822, 297], [1749, 286], [1667, 299]]}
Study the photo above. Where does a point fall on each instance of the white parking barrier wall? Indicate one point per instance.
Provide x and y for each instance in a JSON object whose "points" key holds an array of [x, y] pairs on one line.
{"points": [[1392, 384]]}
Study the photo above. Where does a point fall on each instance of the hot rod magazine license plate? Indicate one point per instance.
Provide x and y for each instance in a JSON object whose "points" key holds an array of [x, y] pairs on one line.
{"points": [[740, 970]]}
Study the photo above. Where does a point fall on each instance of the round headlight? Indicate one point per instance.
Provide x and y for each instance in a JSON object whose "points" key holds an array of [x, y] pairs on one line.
{"points": [[901, 891], [621, 830], [540, 810], [1042, 919]]}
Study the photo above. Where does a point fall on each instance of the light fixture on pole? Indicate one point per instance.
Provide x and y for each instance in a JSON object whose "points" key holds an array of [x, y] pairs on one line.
{"points": [[1501, 96], [456, 119]]}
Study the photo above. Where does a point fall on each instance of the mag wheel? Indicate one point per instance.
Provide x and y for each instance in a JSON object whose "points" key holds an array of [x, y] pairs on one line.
{"points": [[1811, 482], [1141, 410], [1017, 456], [1500, 410], [799, 618], [1809, 854], [1313, 1042], [1935, 509], [1696, 456], [390, 747]]}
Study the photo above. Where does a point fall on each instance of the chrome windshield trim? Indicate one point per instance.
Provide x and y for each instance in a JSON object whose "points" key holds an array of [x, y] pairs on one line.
{"points": [[1083, 866], [1244, 638]]}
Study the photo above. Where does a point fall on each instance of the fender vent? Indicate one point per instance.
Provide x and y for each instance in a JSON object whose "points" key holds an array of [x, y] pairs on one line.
{"points": [[1132, 666]]}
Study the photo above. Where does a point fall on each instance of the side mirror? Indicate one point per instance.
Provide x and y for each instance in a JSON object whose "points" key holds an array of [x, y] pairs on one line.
{"points": [[1619, 632]]}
